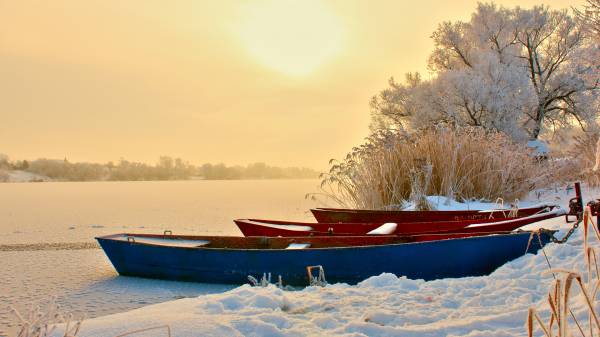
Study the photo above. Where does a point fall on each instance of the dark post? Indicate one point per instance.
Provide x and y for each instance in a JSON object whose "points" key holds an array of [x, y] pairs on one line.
{"points": [[578, 194], [576, 204]]}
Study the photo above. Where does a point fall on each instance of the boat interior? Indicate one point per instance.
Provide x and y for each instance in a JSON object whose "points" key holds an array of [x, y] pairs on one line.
{"points": [[538, 207], [257, 242], [263, 242]]}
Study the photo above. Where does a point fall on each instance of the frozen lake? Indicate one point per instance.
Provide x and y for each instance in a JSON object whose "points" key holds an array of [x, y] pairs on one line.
{"points": [[48, 230]]}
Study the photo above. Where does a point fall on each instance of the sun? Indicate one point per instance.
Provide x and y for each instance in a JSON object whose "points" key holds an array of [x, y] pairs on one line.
{"points": [[290, 37]]}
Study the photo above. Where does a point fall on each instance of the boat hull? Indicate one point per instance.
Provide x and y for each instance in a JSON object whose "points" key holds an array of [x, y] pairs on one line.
{"points": [[332, 215], [453, 258]]}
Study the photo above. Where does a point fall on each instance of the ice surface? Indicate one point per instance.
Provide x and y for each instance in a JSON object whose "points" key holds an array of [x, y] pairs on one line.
{"points": [[47, 246]]}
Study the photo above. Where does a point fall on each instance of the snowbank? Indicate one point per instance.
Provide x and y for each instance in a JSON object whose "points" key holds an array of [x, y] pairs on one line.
{"points": [[442, 203], [18, 176], [385, 305]]}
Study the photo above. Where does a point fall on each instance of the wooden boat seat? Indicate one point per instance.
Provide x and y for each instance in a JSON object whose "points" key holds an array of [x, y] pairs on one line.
{"points": [[385, 229], [165, 241], [298, 246]]}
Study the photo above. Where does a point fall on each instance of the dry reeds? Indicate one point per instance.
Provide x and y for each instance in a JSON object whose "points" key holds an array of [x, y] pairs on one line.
{"points": [[42, 322], [48, 321], [560, 292], [584, 159], [463, 164]]}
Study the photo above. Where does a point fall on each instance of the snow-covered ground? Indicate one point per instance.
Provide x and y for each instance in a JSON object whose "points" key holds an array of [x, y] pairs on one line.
{"points": [[442, 203], [384, 305], [18, 176]]}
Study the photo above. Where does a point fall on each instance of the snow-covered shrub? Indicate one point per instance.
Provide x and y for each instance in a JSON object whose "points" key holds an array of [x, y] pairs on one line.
{"points": [[467, 163]]}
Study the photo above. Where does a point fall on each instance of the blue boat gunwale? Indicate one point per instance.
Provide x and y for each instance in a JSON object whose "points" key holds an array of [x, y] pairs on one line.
{"points": [[112, 237]]}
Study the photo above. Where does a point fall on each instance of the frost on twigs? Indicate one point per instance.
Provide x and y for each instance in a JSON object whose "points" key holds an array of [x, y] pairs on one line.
{"points": [[318, 280], [42, 321], [265, 281], [420, 181]]}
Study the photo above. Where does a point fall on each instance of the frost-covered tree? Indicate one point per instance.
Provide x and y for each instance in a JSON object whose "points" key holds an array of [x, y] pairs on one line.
{"points": [[4, 162], [512, 70], [394, 105], [590, 16], [488, 94]]}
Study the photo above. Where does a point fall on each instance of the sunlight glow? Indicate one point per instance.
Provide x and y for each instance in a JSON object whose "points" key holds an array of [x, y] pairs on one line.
{"points": [[291, 37]]}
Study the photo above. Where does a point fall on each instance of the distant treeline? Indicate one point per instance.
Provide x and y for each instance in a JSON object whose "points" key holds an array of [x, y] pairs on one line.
{"points": [[167, 168]]}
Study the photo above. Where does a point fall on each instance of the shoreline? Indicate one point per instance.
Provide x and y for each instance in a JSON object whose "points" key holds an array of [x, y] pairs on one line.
{"points": [[18, 177]]}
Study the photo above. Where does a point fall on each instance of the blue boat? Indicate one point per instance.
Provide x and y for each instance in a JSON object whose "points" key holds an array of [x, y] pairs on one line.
{"points": [[218, 259]]}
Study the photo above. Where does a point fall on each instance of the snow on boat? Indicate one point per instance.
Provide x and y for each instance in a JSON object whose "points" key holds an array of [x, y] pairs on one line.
{"points": [[256, 227], [332, 215], [214, 259]]}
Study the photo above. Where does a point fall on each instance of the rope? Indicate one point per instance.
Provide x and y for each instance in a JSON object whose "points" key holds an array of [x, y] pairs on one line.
{"points": [[545, 255], [538, 234], [530, 239], [500, 204]]}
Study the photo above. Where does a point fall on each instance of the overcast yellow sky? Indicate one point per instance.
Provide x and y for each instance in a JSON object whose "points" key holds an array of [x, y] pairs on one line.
{"points": [[283, 82]]}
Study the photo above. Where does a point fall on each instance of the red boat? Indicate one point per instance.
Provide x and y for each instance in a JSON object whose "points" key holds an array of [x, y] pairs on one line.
{"points": [[334, 215], [273, 228]]}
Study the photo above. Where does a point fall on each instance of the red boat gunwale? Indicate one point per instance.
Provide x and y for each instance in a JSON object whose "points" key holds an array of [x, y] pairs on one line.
{"points": [[274, 228], [334, 215]]}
